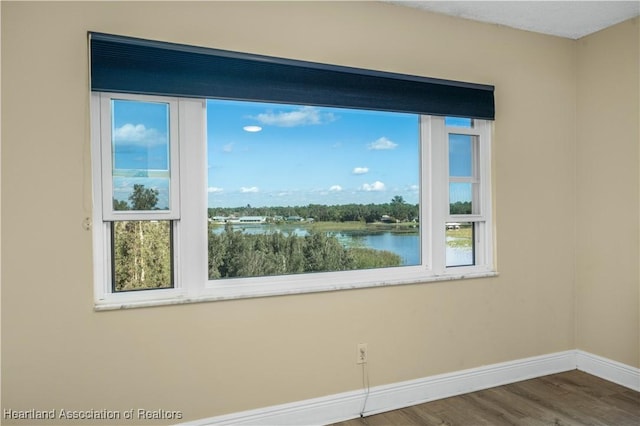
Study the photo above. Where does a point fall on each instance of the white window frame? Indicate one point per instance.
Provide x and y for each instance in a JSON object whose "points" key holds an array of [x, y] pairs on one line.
{"points": [[482, 200], [191, 283]]}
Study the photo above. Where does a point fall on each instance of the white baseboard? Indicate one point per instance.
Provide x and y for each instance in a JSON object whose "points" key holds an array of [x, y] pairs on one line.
{"points": [[348, 405], [608, 369]]}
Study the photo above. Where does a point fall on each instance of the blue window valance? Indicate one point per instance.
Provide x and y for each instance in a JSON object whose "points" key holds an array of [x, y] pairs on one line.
{"points": [[132, 65]]}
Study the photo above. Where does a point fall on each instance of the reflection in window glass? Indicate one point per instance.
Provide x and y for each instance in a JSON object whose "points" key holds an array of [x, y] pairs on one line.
{"points": [[460, 244], [461, 155], [461, 198], [463, 182], [140, 150], [142, 255], [296, 189]]}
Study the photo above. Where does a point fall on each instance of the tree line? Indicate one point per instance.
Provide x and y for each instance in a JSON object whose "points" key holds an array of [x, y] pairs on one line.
{"points": [[397, 209], [370, 213]]}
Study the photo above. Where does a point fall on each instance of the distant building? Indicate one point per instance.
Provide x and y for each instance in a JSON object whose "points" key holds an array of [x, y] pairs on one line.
{"points": [[387, 219], [252, 219], [219, 219]]}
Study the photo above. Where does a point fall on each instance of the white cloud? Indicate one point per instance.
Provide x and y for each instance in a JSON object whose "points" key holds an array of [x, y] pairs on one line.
{"points": [[245, 189], [214, 189], [360, 170], [382, 143], [138, 134], [228, 147], [303, 116], [375, 186], [335, 188]]}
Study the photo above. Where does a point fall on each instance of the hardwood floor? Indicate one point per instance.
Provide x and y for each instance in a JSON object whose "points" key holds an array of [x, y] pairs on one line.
{"points": [[570, 398]]}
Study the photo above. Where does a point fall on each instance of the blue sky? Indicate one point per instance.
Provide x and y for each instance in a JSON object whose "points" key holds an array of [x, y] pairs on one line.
{"points": [[306, 155], [266, 154]]}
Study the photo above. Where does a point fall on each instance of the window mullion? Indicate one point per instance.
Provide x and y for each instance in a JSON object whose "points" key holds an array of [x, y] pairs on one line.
{"points": [[426, 193], [192, 239], [439, 188]]}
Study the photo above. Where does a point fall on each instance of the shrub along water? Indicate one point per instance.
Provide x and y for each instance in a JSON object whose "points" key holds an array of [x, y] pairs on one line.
{"points": [[235, 254]]}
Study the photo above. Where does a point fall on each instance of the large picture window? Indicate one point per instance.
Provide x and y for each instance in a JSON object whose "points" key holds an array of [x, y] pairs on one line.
{"points": [[208, 198], [300, 189]]}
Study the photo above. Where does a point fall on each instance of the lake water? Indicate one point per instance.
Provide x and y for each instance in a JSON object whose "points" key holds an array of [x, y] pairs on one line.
{"points": [[405, 245]]}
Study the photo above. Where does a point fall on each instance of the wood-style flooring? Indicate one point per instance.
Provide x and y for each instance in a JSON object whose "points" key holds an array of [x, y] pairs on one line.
{"points": [[570, 398]]}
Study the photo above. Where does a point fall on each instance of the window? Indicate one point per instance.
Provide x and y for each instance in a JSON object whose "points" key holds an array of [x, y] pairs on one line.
{"points": [[140, 190], [468, 198], [300, 189], [206, 198]]}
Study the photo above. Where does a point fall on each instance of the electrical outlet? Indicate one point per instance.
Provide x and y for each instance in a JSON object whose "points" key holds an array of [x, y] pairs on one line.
{"points": [[363, 353]]}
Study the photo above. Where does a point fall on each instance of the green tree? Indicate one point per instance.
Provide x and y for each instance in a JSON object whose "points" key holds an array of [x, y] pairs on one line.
{"points": [[143, 198], [460, 207], [142, 249], [120, 205], [397, 200], [142, 255], [399, 209], [325, 253]]}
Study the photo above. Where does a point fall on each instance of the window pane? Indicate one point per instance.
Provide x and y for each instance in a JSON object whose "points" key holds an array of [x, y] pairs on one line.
{"points": [[461, 155], [458, 122], [461, 198], [142, 255], [140, 152], [460, 244], [296, 189]]}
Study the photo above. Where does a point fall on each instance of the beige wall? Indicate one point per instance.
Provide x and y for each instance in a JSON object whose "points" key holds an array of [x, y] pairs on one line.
{"points": [[608, 195], [214, 358]]}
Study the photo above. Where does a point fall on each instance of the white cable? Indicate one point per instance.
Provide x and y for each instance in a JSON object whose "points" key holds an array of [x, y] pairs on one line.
{"points": [[365, 386]]}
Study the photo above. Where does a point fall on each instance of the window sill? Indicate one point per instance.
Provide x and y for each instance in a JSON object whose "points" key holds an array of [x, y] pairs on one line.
{"points": [[239, 292]]}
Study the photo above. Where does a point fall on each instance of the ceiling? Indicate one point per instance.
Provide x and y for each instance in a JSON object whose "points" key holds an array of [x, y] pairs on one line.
{"points": [[570, 19]]}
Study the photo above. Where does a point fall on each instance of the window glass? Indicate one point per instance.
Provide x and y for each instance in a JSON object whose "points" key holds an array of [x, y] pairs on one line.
{"points": [[458, 122], [296, 189], [461, 155], [460, 198], [463, 182], [460, 244], [142, 255], [140, 155]]}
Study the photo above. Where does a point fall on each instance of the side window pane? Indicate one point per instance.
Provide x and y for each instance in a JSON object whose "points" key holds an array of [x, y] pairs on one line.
{"points": [[463, 172], [140, 155], [461, 155], [460, 198], [142, 255], [460, 244], [296, 189]]}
